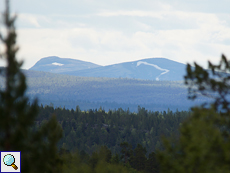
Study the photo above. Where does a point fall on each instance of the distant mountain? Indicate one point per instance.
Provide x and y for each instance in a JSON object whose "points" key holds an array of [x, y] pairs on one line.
{"points": [[55, 64], [150, 69], [109, 93]]}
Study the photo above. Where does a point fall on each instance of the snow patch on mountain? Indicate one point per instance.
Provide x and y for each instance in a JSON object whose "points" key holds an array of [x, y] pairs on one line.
{"points": [[56, 63], [156, 66]]}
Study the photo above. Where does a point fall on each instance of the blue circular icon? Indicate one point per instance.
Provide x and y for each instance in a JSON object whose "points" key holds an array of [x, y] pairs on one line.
{"points": [[8, 159]]}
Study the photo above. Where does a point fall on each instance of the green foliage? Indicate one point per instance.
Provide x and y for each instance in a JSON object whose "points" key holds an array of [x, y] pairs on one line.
{"points": [[138, 160], [110, 168], [17, 129], [203, 145], [96, 163], [105, 154], [103, 161], [100, 136], [212, 83], [151, 165], [88, 130], [115, 159], [73, 164], [126, 151]]}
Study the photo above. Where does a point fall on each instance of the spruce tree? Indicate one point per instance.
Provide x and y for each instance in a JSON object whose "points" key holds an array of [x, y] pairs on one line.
{"points": [[138, 159], [204, 142], [38, 147]]}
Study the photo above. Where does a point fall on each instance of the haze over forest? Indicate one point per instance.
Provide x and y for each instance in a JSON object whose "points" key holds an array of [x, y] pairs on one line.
{"points": [[105, 109]]}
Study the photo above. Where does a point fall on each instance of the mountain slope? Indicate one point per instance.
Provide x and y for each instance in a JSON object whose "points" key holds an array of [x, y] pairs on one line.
{"points": [[55, 64], [151, 69], [110, 93]]}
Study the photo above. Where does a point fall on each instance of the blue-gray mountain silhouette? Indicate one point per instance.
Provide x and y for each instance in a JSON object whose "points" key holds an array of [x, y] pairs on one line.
{"points": [[55, 64], [150, 69]]}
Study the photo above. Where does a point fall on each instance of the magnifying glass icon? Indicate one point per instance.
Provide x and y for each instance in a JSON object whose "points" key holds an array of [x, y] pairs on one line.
{"points": [[9, 160]]}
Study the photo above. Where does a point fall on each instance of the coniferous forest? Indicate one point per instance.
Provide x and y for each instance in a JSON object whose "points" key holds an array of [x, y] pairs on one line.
{"points": [[94, 141], [87, 132]]}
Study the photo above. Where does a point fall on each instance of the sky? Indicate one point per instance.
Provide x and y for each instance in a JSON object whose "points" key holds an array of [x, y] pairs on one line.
{"points": [[108, 32]]}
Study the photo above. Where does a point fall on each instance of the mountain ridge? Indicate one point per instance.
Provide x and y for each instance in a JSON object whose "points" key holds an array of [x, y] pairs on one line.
{"points": [[148, 68], [56, 64]]}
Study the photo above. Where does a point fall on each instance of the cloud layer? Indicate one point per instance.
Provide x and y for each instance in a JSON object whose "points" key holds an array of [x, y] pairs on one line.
{"points": [[108, 32]]}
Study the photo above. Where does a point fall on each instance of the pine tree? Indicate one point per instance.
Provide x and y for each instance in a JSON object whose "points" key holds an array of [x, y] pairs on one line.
{"points": [[204, 142], [138, 159], [126, 151], [151, 165], [38, 147]]}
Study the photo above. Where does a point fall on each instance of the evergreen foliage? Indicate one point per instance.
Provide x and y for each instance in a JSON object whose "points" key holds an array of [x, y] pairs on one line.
{"points": [[138, 160], [127, 152], [204, 142], [17, 130], [115, 141], [112, 138], [97, 162], [88, 130]]}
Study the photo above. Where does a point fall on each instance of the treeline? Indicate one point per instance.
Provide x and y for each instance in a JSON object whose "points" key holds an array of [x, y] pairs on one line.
{"points": [[68, 91], [86, 105], [95, 141], [119, 138], [89, 92], [89, 130], [132, 91]]}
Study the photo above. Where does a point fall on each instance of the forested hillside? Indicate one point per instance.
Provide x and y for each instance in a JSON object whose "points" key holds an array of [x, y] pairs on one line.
{"points": [[56, 139], [110, 93], [88, 130], [120, 137]]}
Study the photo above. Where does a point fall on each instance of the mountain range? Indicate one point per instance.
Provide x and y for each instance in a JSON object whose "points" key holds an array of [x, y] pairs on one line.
{"points": [[55, 64], [154, 83], [147, 69]]}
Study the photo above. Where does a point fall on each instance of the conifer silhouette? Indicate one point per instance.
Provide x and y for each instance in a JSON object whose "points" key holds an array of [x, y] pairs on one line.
{"points": [[38, 147]]}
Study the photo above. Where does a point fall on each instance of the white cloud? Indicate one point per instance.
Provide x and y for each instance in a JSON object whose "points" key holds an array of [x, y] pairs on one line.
{"points": [[28, 19], [158, 15], [107, 32], [108, 47]]}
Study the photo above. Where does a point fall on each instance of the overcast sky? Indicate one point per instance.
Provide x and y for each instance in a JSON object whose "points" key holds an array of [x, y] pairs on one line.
{"points": [[108, 32]]}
